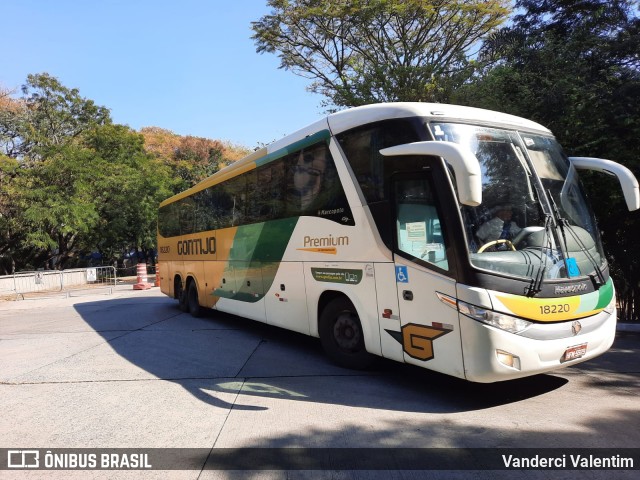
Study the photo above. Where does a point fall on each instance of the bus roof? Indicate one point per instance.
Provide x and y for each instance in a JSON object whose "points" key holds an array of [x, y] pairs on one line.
{"points": [[353, 117]]}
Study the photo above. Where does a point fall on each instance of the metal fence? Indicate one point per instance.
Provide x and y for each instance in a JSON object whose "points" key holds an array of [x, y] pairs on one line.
{"points": [[22, 283], [130, 269]]}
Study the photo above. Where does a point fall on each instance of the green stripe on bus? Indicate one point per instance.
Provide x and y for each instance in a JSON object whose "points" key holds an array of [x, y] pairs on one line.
{"points": [[605, 295], [262, 242], [255, 255]]}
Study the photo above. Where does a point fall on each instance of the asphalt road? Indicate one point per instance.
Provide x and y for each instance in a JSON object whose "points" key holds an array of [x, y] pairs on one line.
{"points": [[129, 370]]}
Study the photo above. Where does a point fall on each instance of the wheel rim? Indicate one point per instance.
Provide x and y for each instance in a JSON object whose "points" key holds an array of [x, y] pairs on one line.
{"points": [[346, 331]]}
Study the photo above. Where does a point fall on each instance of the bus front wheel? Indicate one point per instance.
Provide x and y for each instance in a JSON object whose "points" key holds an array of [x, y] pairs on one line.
{"points": [[341, 335]]}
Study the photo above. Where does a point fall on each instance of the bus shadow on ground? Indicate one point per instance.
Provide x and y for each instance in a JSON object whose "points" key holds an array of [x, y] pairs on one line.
{"points": [[221, 354]]}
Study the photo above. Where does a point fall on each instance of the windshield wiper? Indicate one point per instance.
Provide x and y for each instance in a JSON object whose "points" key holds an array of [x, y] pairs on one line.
{"points": [[563, 223], [536, 283]]}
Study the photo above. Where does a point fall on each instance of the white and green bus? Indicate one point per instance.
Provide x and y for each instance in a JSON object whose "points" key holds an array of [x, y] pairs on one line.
{"points": [[452, 238]]}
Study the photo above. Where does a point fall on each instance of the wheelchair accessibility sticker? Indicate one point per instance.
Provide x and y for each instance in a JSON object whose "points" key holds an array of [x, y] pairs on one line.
{"points": [[402, 275]]}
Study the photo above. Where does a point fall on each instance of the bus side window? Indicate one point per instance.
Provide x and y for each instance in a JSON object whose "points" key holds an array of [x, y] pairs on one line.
{"points": [[187, 212], [254, 198], [313, 187], [265, 193], [362, 148], [419, 229], [232, 196], [169, 221], [307, 169]]}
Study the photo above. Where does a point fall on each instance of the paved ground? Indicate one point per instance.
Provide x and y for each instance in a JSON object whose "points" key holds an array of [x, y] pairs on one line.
{"points": [[130, 370]]}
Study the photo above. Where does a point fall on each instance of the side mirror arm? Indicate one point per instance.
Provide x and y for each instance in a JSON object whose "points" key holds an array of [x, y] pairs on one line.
{"points": [[464, 163], [628, 181]]}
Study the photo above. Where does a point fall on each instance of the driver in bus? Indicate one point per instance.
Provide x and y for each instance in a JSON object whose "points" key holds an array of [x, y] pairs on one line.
{"points": [[500, 227]]}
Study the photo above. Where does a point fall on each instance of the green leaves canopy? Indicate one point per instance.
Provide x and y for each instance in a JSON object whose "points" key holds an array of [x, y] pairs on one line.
{"points": [[48, 114], [367, 51], [72, 181]]}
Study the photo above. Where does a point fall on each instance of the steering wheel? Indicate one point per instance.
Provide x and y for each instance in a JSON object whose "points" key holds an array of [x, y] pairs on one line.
{"points": [[508, 243]]}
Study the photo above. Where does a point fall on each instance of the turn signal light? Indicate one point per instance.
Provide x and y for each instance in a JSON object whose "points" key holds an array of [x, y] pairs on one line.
{"points": [[508, 359]]}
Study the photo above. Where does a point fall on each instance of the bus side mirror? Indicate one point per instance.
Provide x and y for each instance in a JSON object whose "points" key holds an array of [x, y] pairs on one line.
{"points": [[627, 180], [464, 163]]}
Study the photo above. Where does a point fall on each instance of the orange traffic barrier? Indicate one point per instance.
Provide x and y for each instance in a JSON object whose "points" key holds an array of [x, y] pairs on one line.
{"points": [[157, 284], [141, 278]]}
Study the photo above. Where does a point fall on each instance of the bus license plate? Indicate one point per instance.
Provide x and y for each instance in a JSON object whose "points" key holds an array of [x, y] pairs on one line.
{"points": [[572, 353]]}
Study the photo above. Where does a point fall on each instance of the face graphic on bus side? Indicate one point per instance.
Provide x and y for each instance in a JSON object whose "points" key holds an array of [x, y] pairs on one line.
{"points": [[308, 174]]}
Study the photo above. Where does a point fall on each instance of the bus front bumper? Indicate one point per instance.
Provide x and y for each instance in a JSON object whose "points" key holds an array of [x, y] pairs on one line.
{"points": [[492, 355]]}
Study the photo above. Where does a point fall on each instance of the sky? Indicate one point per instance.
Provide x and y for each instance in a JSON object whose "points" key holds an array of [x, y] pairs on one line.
{"points": [[188, 66]]}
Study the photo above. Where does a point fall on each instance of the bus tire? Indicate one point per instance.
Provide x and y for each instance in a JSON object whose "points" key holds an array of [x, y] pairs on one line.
{"points": [[192, 300], [341, 335], [181, 295]]}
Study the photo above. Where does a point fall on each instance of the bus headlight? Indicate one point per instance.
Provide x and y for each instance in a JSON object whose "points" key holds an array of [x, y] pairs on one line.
{"points": [[495, 319]]}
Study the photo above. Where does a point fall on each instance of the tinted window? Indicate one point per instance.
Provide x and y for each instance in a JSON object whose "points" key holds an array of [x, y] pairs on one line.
{"points": [[302, 183], [362, 148], [313, 187], [168, 221]]}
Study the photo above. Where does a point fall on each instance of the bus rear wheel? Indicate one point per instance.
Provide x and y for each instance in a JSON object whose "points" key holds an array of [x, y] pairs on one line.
{"points": [[192, 300], [341, 335], [181, 295]]}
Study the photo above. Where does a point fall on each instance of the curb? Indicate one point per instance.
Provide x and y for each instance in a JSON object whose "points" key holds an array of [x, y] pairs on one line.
{"points": [[628, 327]]}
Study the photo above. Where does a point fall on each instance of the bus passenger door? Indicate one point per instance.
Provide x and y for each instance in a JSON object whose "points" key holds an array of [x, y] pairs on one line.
{"points": [[429, 327]]}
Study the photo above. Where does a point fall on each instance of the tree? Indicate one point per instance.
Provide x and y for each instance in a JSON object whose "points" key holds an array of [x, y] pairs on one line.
{"points": [[192, 159], [99, 193], [57, 203], [13, 115], [574, 67], [48, 114], [13, 124], [10, 233], [37, 150], [367, 51], [72, 182], [128, 189]]}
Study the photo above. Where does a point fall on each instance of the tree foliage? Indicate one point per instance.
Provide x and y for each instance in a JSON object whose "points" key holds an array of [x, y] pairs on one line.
{"points": [[367, 51], [72, 182], [13, 124], [192, 159], [48, 114], [10, 231]]}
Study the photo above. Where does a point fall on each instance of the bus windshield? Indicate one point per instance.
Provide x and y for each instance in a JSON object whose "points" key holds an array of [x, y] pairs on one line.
{"points": [[534, 220]]}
